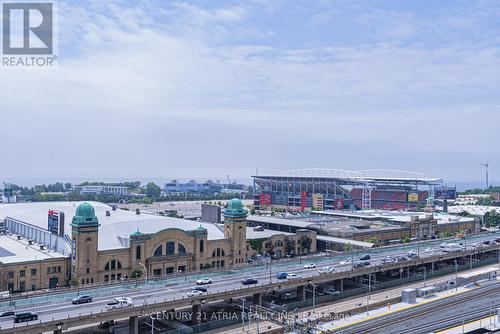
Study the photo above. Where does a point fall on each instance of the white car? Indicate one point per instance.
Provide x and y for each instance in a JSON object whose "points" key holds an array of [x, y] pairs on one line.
{"points": [[331, 292], [194, 293], [326, 270], [120, 302], [309, 266], [345, 262], [204, 281], [293, 276]]}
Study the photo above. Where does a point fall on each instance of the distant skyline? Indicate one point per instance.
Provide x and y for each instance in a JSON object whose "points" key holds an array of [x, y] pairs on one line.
{"points": [[162, 90]]}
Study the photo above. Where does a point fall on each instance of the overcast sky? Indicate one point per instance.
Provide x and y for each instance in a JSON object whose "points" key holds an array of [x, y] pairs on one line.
{"points": [[200, 89]]}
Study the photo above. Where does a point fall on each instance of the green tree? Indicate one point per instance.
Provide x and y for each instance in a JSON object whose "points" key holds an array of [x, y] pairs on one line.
{"points": [[372, 240], [405, 240], [491, 218], [153, 191]]}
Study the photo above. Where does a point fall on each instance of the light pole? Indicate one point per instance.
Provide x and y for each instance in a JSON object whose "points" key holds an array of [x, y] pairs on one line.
{"points": [[456, 275], [368, 295], [145, 272], [425, 276]]}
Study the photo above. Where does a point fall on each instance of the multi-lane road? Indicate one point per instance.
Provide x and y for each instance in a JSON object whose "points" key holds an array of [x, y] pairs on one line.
{"points": [[57, 306]]}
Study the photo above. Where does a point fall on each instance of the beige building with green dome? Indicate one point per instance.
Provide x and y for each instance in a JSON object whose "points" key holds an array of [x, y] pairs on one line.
{"points": [[99, 243]]}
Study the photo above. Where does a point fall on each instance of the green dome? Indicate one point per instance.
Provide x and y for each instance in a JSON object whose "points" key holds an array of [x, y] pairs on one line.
{"points": [[235, 209], [136, 234], [201, 228], [85, 216], [85, 210]]}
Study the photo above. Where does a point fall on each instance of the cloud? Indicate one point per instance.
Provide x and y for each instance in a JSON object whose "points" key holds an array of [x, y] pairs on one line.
{"points": [[150, 89]]}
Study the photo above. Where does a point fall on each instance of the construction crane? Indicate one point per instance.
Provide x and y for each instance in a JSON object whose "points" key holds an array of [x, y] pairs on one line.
{"points": [[485, 165], [228, 179]]}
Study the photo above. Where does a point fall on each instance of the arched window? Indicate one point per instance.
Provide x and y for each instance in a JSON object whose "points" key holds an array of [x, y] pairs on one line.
{"points": [[181, 249], [222, 253], [158, 251], [201, 246], [113, 265], [278, 243], [213, 253], [170, 250], [218, 252]]}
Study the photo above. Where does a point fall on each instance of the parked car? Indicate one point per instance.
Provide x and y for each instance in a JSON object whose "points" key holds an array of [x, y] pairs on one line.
{"points": [[365, 257], [309, 266], [326, 270], [25, 316], [194, 293], [343, 262], [281, 275], [293, 276], [413, 256], [120, 302], [203, 281], [8, 315], [82, 299], [200, 288], [249, 281]]}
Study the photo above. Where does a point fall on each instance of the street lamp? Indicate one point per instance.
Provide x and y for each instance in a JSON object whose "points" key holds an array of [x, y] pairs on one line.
{"points": [[145, 272]]}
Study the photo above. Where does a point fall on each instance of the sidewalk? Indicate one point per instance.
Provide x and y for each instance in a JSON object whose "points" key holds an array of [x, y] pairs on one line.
{"points": [[381, 299]]}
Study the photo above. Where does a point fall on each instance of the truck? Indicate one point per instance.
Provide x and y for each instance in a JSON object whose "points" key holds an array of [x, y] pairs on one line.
{"points": [[120, 302]]}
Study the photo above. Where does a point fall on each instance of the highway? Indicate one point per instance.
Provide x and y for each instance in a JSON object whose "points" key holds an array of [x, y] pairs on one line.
{"points": [[59, 307], [437, 315]]}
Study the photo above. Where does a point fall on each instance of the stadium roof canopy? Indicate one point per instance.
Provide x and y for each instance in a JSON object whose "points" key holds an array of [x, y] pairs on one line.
{"points": [[356, 177]]}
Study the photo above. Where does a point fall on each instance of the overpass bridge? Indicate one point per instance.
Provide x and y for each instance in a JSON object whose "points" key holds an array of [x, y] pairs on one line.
{"points": [[63, 317]]}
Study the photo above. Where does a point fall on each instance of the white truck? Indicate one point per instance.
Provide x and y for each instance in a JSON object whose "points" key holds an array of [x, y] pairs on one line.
{"points": [[120, 302]]}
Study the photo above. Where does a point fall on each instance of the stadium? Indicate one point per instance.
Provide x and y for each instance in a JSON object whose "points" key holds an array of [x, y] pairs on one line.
{"points": [[333, 189]]}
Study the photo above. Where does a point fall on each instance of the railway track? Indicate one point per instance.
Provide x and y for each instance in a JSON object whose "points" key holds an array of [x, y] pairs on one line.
{"points": [[378, 325]]}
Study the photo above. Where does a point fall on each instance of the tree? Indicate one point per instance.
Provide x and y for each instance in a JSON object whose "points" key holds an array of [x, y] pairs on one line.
{"points": [[372, 240], [491, 218], [153, 190], [405, 240]]}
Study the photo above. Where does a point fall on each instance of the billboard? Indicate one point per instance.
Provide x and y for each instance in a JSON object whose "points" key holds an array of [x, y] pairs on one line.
{"points": [[265, 199], [317, 201], [445, 193], [303, 201], [338, 203], [56, 222], [412, 197]]}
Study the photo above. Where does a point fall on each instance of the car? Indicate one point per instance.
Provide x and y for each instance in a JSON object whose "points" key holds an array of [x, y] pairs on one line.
{"points": [[194, 293], [81, 299], [331, 292], [343, 262], [388, 259], [25, 316], [309, 266], [413, 256], [497, 239], [120, 302], [293, 276], [203, 281], [200, 288], [402, 259], [281, 275], [249, 281], [365, 257], [358, 265], [7, 315], [326, 270]]}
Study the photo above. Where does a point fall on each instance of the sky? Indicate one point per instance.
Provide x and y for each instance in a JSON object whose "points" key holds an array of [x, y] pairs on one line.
{"points": [[201, 89]]}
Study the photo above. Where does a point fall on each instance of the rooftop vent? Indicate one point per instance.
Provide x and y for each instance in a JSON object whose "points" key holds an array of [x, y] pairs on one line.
{"points": [[113, 207], [30, 242], [19, 237], [108, 213], [137, 211], [42, 247]]}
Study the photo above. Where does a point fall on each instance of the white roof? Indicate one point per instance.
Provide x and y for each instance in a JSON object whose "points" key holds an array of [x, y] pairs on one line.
{"points": [[118, 226], [253, 234], [13, 251], [344, 241], [279, 221]]}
